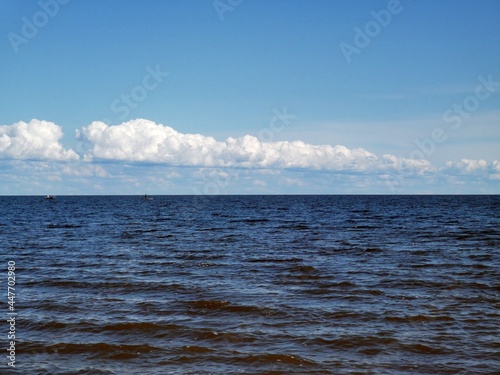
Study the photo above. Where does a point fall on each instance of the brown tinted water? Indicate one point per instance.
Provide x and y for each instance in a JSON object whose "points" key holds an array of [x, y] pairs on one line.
{"points": [[254, 284]]}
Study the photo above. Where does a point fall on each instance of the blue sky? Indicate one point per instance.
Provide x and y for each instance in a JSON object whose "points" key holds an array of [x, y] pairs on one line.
{"points": [[416, 107]]}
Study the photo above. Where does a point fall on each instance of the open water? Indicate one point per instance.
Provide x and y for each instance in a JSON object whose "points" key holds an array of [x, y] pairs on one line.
{"points": [[253, 284]]}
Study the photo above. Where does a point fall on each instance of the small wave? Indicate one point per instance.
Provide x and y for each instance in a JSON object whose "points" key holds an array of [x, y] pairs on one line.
{"points": [[82, 371], [49, 326], [251, 221], [212, 229], [208, 304], [345, 315], [90, 371], [423, 349], [109, 351], [303, 269], [119, 328], [98, 349], [140, 327], [57, 306], [102, 287], [372, 292], [275, 260], [269, 358], [342, 284], [226, 306], [63, 226], [359, 227], [418, 319], [294, 227], [420, 252], [190, 349], [468, 285], [373, 250], [354, 342], [218, 337]]}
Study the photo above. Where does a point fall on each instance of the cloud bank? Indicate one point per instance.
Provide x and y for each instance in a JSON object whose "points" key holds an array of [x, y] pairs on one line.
{"points": [[145, 141], [35, 140], [467, 167]]}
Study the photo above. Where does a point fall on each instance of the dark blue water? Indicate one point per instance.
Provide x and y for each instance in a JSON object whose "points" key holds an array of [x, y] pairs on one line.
{"points": [[254, 284]]}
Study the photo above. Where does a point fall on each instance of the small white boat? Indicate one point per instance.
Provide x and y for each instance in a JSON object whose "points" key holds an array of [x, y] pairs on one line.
{"points": [[49, 197]]}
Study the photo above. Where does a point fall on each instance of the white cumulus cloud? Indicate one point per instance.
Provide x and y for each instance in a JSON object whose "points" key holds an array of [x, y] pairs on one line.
{"points": [[145, 141], [154, 157], [467, 167], [35, 140]]}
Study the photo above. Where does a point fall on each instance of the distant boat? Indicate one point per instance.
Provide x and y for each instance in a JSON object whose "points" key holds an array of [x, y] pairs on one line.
{"points": [[49, 197], [147, 197]]}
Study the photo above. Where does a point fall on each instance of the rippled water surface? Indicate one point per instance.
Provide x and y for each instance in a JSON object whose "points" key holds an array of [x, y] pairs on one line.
{"points": [[254, 284]]}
